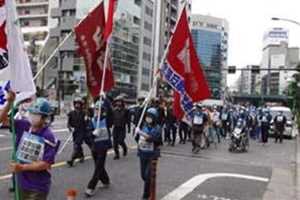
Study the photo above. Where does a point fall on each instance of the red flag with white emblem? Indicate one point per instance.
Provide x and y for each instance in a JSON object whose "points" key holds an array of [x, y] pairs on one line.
{"points": [[183, 70], [109, 24], [92, 45]]}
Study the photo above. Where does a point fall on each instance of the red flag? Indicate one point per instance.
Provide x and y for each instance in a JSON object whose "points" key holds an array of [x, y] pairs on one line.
{"points": [[92, 46], [183, 70], [110, 19], [3, 38]]}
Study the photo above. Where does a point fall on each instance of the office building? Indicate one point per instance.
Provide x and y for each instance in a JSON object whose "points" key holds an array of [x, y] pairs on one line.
{"points": [[247, 81], [210, 37], [277, 55], [33, 19]]}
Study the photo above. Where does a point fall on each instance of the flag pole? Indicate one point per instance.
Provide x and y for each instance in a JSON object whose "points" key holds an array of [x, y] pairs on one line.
{"points": [[14, 157], [147, 100], [102, 82], [107, 37]]}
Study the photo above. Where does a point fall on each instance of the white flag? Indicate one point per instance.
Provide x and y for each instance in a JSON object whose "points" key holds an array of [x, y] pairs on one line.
{"points": [[14, 62]]}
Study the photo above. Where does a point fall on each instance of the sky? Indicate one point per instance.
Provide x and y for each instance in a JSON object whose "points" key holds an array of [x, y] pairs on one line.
{"points": [[248, 20]]}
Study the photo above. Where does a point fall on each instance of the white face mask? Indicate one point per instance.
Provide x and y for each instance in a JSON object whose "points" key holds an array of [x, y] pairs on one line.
{"points": [[34, 119], [25, 106], [149, 120]]}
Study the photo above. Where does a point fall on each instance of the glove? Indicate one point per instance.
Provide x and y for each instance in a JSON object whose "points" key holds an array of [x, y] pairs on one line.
{"points": [[137, 130], [102, 95], [96, 132]]}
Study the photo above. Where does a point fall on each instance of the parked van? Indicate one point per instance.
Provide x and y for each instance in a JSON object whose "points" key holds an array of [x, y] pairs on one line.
{"points": [[289, 132]]}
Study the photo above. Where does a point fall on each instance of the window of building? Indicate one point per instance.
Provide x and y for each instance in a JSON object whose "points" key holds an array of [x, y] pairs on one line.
{"points": [[138, 2], [135, 39], [26, 23], [43, 22], [147, 56], [27, 12], [76, 68], [147, 41], [64, 33], [145, 86], [136, 20], [149, 11], [148, 26], [146, 71]]}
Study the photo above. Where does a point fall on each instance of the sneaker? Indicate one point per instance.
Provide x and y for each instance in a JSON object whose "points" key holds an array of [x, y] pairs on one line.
{"points": [[194, 148], [197, 150], [81, 160], [70, 163], [106, 186], [89, 192], [116, 157]]}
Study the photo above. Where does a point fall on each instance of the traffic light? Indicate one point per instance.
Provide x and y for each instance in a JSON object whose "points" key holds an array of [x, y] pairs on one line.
{"points": [[231, 69], [255, 69]]}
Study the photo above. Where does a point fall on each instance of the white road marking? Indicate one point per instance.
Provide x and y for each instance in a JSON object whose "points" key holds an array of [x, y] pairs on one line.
{"points": [[189, 186], [5, 149], [61, 130], [5, 177]]}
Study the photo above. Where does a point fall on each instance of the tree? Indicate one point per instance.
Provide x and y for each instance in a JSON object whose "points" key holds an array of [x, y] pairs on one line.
{"points": [[294, 92]]}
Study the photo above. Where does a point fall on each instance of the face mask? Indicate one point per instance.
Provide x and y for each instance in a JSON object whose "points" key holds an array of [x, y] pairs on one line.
{"points": [[25, 106], [34, 119], [149, 120]]}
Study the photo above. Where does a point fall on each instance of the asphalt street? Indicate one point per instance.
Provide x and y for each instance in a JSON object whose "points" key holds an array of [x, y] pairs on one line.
{"points": [[214, 174]]}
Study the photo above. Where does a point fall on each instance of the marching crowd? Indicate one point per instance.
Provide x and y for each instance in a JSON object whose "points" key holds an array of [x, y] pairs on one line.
{"points": [[37, 145]]}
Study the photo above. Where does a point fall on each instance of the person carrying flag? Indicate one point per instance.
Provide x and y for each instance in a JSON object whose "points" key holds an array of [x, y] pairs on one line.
{"points": [[148, 138], [36, 150], [100, 145]]}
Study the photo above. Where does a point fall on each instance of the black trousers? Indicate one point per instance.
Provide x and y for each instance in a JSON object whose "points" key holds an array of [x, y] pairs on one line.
{"points": [[279, 135], [170, 131], [225, 128], [183, 131], [100, 173], [78, 140], [264, 134], [119, 135]]}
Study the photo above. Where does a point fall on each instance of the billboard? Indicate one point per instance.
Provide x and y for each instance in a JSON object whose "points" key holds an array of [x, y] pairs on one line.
{"points": [[276, 36]]}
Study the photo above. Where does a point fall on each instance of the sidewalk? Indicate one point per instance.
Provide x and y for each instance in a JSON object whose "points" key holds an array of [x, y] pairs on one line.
{"points": [[285, 182]]}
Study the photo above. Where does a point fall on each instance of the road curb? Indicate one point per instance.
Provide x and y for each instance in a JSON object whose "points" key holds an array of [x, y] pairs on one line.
{"points": [[297, 189]]}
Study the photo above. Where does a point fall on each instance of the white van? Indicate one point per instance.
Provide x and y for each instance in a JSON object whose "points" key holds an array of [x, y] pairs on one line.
{"points": [[290, 120]]}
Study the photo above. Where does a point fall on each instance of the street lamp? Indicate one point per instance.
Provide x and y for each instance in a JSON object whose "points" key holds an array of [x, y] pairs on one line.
{"points": [[287, 20]]}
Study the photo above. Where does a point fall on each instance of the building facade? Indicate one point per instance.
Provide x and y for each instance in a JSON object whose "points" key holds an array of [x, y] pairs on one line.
{"points": [[33, 19], [210, 37], [247, 81], [277, 55], [167, 13], [131, 48]]}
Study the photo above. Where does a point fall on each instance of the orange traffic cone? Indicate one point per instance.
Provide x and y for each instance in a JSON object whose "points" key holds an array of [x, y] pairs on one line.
{"points": [[71, 194]]}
